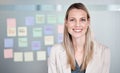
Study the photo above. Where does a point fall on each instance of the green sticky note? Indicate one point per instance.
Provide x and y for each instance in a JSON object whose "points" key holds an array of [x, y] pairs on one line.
{"points": [[22, 42], [51, 19], [37, 32], [61, 19]]}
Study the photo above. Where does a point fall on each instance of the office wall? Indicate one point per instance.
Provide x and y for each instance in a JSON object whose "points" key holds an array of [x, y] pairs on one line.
{"points": [[28, 29]]}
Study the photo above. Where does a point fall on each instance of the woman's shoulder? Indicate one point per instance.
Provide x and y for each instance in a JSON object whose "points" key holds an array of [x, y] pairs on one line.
{"points": [[57, 47], [100, 47]]}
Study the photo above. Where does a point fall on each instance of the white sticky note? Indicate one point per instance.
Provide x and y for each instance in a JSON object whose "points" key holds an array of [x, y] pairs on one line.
{"points": [[59, 7], [49, 40], [18, 56], [28, 56], [22, 31], [41, 55]]}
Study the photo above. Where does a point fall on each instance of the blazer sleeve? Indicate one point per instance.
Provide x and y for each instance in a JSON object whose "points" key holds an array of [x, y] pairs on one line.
{"points": [[106, 61], [52, 62]]}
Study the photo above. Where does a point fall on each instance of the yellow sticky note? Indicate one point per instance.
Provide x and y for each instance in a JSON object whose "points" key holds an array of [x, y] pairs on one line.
{"points": [[28, 56], [11, 32], [40, 19], [22, 31], [41, 55], [18, 56], [49, 40]]}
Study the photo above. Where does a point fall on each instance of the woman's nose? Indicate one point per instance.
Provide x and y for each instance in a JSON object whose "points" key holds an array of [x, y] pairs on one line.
{"points": [[77, 23]]}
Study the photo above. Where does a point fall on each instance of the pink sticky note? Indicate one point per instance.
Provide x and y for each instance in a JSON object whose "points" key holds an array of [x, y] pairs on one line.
{"points": [[60, 28], [8, 53], [11, 22]]}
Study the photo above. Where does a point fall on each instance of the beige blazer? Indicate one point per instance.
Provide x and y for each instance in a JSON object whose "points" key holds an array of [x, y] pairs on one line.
{"points": [[100, 63]]}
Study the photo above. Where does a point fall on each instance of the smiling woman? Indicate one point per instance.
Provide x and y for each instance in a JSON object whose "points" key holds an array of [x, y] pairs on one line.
{"points": [[79, 52]]}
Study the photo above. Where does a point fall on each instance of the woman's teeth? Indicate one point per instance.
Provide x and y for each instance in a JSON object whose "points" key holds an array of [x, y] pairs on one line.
{"points": [[77, 30]]}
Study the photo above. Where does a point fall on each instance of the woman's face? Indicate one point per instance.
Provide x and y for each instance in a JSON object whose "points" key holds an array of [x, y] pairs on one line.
{"points": [[77, 23]]}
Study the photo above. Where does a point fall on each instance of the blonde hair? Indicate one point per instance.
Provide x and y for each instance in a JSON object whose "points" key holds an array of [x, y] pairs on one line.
{"points": [[67, 40]]}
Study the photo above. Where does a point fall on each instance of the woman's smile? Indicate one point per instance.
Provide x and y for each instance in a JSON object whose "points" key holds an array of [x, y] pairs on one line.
{"points": [[77, 30]]}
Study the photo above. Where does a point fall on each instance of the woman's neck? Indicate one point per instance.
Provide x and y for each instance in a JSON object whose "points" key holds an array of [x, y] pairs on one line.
{"points": [[78, 43]]}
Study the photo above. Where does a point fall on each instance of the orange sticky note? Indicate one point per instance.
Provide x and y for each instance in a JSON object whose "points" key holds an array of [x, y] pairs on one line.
{"points": [[11, 31], [49, 40]]}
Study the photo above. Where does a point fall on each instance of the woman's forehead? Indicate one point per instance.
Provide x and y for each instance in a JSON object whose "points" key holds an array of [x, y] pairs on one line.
{"points": [[77, 12]]}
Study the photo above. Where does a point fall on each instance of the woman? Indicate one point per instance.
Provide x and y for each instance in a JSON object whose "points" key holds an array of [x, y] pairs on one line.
{"points": [[79, 52]]}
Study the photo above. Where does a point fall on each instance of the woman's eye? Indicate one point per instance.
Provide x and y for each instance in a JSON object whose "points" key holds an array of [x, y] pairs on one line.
{"points": [[71, 19], [83, 19]]}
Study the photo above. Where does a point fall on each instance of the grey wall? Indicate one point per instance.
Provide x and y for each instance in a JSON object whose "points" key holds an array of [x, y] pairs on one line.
{"points": [[104, 22]]}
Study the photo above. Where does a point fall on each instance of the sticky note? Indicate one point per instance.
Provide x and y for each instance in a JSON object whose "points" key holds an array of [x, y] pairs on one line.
{"points": [[22, 31], [60, 28], [8, 43], [18, 56], [48, 7], [37, 32], [36, 45], [48, 51], [29, 20], [59, 7], [8, 53], [40, 19], [11, 22], [61, 18], [51, 19], [41, 55], [49, 40], [48, 30], [60, 38], [28, 56], [22, 42], [11, 32]]}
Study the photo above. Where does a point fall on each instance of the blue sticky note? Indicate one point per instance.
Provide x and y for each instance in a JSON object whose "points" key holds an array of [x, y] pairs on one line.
{"points": [[29, 20], [48, 50], [36, 45], [60, 38], [8, 43], [48, 30]]}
